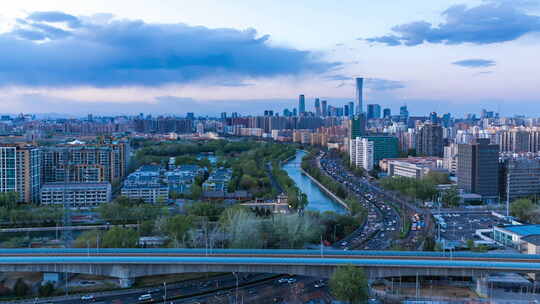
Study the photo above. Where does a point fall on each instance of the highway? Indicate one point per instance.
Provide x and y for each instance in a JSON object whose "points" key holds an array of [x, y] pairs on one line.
{"points": [[60, 254]]}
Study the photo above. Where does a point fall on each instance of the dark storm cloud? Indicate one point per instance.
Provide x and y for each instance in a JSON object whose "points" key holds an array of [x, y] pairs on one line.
{"points": [[491, 22], [58, 49], [475, 63]]}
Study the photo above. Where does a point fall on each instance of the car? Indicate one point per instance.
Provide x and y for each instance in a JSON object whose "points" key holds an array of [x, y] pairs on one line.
{"points": [[319, 284], [291, 280], [283, 280], [154, 290], [88, 298], [145, 298]]}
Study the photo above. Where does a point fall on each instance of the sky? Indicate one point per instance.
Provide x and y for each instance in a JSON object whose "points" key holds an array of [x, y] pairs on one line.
{"points": [[209, 56]]}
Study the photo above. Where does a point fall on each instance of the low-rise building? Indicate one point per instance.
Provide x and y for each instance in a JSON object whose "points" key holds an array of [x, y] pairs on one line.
{"points": [[514, 235], [414, 167], [147, 184], [531, 244], [76, 195], [182, 178], [218, 180]]}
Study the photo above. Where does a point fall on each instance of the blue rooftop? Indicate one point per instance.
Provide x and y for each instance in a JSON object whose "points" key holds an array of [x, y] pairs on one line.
{"points": [[523, 230]]}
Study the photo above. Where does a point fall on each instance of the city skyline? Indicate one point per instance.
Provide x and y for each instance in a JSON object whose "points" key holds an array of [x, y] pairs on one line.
{"points": [[418, 55]]}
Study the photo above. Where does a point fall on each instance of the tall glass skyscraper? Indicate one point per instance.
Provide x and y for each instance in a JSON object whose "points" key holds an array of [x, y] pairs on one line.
{"points": [[317, 107], [351, 109], [324, 108], [359, 98], [301, 104]]}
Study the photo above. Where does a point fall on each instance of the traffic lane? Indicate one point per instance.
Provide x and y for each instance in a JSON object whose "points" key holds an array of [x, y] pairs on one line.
{"points": [[173, 290], [264, 292]]}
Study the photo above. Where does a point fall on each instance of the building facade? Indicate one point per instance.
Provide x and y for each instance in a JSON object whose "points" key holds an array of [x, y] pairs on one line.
{"points": [[76, 195], [20, 171], [429, 140], [478, 168], [361, 153], [520, 177]]}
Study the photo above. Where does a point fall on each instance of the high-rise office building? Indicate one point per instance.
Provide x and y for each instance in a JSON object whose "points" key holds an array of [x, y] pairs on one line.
{"points": [[301, 104], [478, 168], [346, 110], [351, 109], [384, 146], [433, 117], [429, 140], [387, 113], [357, 126], [223, 115], [520, 177], [317, 107], [359, 95], [324, 108], [403, 114], [20, 171], [373, 111]]}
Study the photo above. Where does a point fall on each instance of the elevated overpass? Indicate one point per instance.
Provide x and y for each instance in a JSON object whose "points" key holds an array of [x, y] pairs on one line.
{"points": [[128, 264]]}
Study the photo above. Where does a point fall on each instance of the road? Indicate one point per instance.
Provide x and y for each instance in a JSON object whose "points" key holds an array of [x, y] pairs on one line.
{"points": [[382, 225], [188, 291], [387, 205]]}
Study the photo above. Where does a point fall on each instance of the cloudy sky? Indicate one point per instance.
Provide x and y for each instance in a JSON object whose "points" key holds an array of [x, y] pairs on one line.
{"points": [[209, 56]]}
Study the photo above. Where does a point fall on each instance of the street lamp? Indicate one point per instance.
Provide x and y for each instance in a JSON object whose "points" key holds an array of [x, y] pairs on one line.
{"points": [[236, 292], [165, 294]]}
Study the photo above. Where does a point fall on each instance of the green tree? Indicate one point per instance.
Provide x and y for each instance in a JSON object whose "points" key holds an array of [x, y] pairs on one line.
{"points": [[46, 290], [523, 209], [120, 238], [88, 239], [21, 288], [349, 284], [450, 197], [177, 227]]}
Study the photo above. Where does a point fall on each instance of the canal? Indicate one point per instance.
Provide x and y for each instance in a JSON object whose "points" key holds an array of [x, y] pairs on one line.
{"points": [[317, 198]]}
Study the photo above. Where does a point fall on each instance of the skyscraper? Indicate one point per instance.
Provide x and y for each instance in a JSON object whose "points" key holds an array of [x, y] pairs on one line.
{"points": [[359, 97], [429, 140], [324, 108], [403, 114], [317, 107], [387, 113], [301, 104], [373, 111], [478, 168], [351, 109], [346, 110], [357, 126]]}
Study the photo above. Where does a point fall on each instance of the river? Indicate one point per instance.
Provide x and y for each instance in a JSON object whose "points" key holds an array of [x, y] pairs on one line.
{"points": [[317, 198]]}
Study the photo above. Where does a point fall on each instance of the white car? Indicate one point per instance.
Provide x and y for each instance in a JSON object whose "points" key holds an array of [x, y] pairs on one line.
{"points": [[88, 298]]}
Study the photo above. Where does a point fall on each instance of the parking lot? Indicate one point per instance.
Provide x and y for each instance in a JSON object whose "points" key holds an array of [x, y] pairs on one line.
{"points": [[461, 226]]}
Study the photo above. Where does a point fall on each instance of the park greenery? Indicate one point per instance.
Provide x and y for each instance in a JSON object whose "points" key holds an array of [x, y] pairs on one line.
{"points": [[526, 210], [14, 214], [349, 284], [249, 160]]}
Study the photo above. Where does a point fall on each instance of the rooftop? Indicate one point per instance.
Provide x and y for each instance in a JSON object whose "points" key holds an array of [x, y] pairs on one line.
{"points": [[75, 185], [533, 239], [523, 230]]}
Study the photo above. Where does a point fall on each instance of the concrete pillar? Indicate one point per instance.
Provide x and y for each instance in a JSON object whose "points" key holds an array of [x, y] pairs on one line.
{"points": [[482, 286], [125, 282]]}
